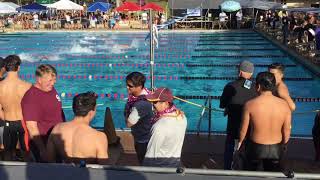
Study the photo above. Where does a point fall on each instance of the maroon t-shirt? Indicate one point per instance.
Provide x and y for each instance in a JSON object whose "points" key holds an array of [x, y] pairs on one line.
{"points": [[43, 107]]}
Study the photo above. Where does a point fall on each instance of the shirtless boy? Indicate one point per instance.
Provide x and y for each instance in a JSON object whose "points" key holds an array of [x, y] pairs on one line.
{"points": [[75, 140], [270, 122], [12, 89]]}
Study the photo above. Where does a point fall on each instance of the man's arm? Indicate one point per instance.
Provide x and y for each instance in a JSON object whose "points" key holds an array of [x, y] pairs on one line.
{"points": [[225, 97], [133, 117], [102, 148], [286, 128], [1, 113], [284, 94], [244, 124], [34, 134]]}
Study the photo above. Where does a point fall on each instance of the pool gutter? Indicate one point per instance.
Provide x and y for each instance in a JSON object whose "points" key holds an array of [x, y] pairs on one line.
{"points": [[297, 57]]}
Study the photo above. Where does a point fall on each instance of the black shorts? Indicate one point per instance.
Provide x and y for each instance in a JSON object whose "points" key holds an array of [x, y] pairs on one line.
{"points": [[13, 130], [264, 157]]}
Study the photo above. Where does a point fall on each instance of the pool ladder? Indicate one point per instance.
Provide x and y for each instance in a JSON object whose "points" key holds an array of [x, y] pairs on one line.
{"points": [[208, 100]]}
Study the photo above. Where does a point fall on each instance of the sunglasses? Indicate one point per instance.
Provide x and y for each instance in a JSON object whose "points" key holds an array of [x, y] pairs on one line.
{"points": [[154, 102]]}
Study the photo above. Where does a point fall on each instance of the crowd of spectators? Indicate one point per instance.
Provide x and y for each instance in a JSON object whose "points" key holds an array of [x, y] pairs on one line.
{"points": [[298, 30], [76, 20]]}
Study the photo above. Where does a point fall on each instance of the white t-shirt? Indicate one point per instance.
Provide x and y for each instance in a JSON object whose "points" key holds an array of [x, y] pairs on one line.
{"points": [[166, 140], [68, 19], [134, 117], [239, 15], [222, 16], [35, 17], [144, 16]]}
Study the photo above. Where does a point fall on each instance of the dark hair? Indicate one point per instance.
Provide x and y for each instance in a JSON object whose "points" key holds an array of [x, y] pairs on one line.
{"points": [[266, 80], [2, 62], [45, 69], [12, 63], [137, 79], [277, 66], [83, 103]]}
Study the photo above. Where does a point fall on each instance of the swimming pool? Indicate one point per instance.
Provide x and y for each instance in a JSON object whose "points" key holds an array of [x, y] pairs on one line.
{"points": [[194, 65]]}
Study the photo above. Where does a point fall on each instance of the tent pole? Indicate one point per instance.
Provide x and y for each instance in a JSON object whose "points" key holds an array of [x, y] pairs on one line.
{"points": [[151, 50], [252, 17], [255, 19]]}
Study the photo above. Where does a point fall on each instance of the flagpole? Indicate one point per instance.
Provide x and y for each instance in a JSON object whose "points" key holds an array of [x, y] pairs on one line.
{"points": [[151, 50]]}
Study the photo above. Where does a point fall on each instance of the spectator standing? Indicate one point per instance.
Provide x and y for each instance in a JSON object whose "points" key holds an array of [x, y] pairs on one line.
{"points": [[239, 19], [42, 109], [138, 113], [285, 27], [168, 131]]}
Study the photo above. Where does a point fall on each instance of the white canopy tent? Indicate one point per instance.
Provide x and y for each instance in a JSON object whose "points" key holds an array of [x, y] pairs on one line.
{"points": [[65, 5], [215, 4], [6, 8], [11, 4], [260, 4]]}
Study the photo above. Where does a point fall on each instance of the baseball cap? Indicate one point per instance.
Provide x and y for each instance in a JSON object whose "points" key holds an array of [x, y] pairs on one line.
{"points": [[246, 66], [160, 94]]}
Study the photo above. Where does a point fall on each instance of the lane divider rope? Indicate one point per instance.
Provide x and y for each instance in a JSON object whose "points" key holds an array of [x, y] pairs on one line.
{"points": [[93, 65], [124, 97], [232, 65]]}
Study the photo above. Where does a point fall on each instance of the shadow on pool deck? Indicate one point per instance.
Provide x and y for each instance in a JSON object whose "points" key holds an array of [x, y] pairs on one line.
{"points": [[198, 150]]}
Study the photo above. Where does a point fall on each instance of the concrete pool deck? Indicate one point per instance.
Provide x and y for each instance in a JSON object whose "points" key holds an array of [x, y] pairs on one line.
{"points": [[198, 151]]}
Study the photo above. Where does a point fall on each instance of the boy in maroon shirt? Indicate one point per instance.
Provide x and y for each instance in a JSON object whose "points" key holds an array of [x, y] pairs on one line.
{"points": [[42, 109]]}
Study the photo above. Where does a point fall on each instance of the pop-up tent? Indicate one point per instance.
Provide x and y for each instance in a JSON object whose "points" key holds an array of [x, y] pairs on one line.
{"points": [[101, 6], [6, 9], [65, 5], [34, 7], [128, 6], [152, 6]]}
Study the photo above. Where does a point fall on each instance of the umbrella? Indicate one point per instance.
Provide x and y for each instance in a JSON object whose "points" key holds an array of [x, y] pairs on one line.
{"points": [[128, 6], [34, 7], [6, 9], [230, 6], [152, 6], [101, 6]]}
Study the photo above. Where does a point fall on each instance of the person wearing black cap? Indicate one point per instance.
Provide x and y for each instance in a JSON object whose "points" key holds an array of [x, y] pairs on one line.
{"points": [[235, 95], [168, 130]]}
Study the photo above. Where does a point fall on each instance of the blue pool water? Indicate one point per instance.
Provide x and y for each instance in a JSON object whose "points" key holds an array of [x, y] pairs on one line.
{"points": [[100, 61]]}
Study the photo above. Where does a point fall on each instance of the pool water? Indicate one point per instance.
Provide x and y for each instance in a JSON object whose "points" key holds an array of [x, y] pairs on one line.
{"points": [[191, 64]]}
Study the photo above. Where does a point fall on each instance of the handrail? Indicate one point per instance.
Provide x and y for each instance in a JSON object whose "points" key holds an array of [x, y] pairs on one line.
{"points": [[202, 114]]}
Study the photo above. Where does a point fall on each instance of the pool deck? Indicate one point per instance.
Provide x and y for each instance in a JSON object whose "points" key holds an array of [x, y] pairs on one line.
{"points": [[199, 151]]}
